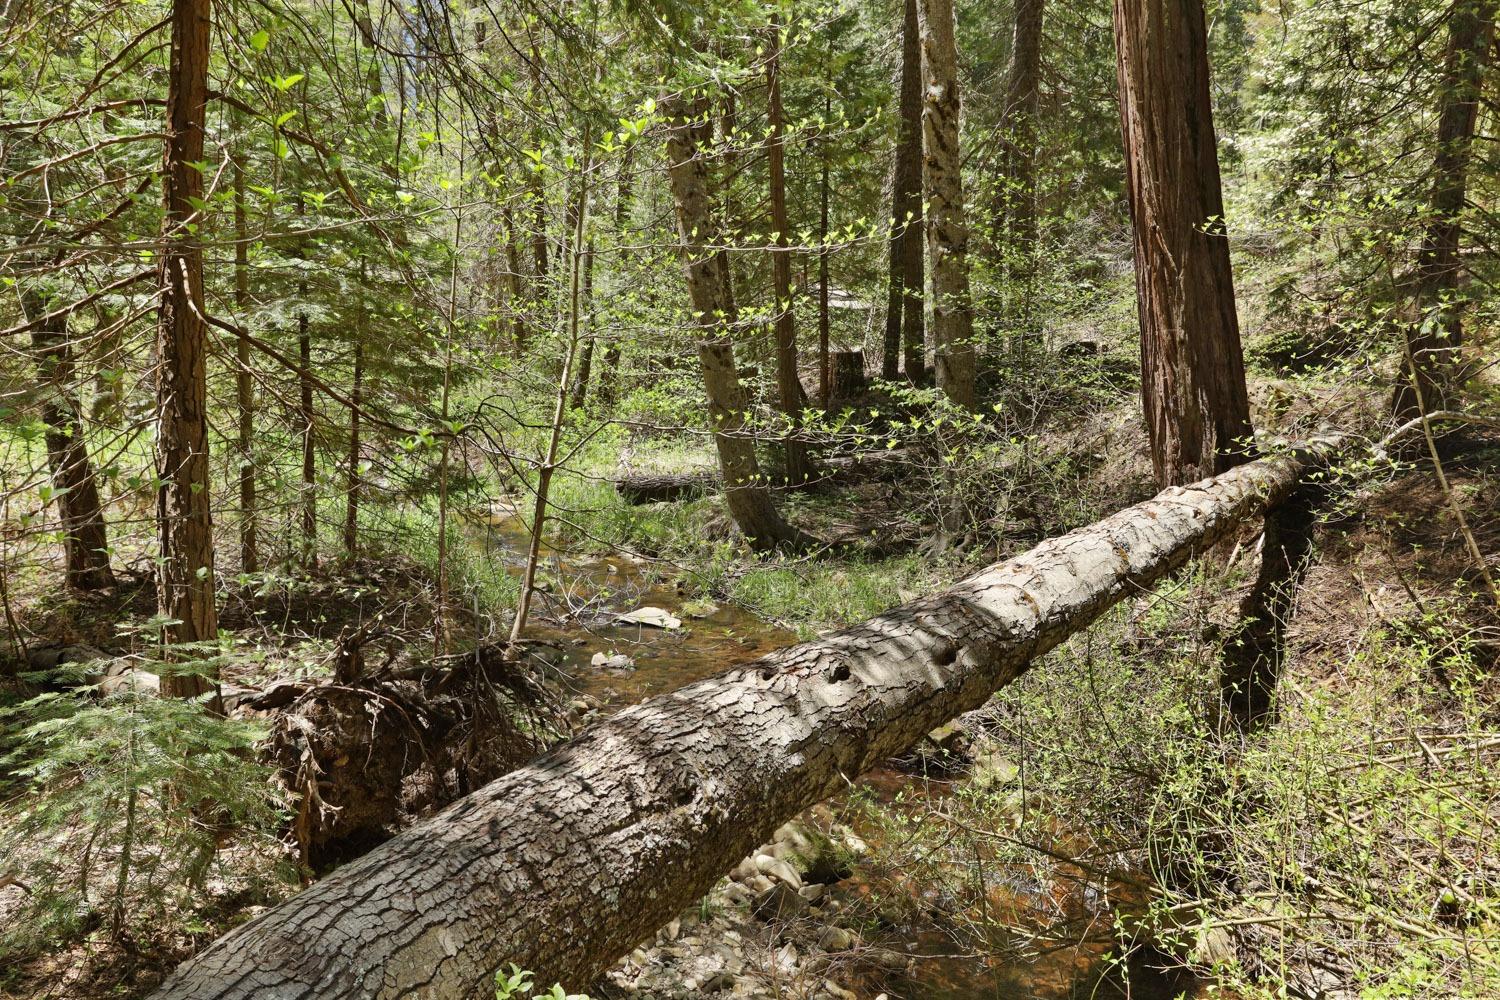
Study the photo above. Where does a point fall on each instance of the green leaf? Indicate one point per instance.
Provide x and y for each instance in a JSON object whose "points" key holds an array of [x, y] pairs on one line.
{"points": [[260, 40]]}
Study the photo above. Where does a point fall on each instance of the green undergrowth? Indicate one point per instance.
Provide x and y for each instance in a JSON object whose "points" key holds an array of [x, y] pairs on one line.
{"points": [[1349, 844], [131, 816]]}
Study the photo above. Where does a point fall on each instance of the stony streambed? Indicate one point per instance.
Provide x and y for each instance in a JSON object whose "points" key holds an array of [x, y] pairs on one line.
{"points": [[795, 920]]}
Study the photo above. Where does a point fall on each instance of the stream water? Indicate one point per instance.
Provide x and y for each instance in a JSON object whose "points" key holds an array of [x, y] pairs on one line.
{"points": [[578, 614]]}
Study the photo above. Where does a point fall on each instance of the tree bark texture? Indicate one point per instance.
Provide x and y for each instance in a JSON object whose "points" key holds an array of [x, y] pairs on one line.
{"points": [[903, 314], [186, 575], [788, 382], [1192, 368], [1018, 139], [1433, 347], [353, 474], [244, 384], [568, 863], [85, 536], [947, 227], [609, 376], [745, 489]]}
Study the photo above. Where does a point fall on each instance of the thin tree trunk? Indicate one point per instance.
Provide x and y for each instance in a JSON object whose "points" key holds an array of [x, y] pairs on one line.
{"points": [[309, 449], [566, 864], [1017, 186], [450, 327], [586, 351], [904, 299], [707, 269], [788, 381], [560, 408], [186, 574], [517, 284], [947, 228], [825, 378], [609, 378], [85, 536], [537, 186], [1435, 338], [1192, 370], [354, 481], [244, 385]]}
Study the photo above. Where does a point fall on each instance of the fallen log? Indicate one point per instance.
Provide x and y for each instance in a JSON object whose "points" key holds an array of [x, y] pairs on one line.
{"points": [[665, 487], [669, 487], [566, 864]]}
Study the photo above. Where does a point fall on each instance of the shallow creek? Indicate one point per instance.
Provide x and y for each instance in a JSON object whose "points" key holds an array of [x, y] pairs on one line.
{"points": [[577, 614]]}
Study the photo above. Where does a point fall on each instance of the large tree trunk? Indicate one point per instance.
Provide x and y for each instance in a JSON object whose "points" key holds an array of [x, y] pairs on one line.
{"points": [[85, 537], [244, 385], [788, 382], [947, 228], [1434, 340], [1018, 149], [904, 297], [745, 489], [566, 864], [186, 574], [1192, 369]]}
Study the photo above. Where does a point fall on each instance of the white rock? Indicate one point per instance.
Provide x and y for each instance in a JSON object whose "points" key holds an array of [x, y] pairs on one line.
{"points": [[778, 869], [759, 883], [652, 616], [812, 893], [745, 870]]}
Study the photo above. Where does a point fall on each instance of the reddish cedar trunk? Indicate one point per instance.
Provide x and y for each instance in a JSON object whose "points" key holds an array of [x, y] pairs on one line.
{"points": [[244, 385], [903, 313], [1435, 345], [566, 864], [85, 537], [708, 279], [947, 228], [186, 575], [1018, 147], [789, 384], [1192, 370]]}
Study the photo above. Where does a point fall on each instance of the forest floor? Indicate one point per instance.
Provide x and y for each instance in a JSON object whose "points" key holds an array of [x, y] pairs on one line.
{"points": [[869, 894]]}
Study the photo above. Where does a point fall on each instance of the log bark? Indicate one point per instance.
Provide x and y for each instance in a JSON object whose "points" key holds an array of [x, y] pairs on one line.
{"points": [[1192, 368], [568, 863], [186, 574], [709, 284], [665, 488], [1433, 348], [947, 225], [670, 487], [848, 376]]}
